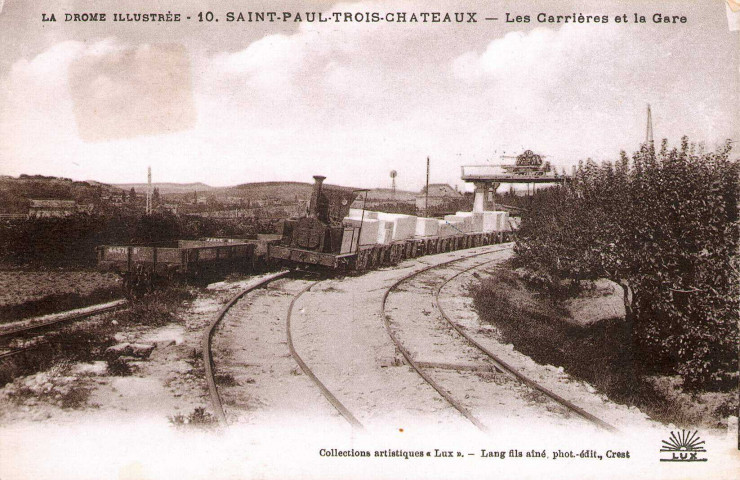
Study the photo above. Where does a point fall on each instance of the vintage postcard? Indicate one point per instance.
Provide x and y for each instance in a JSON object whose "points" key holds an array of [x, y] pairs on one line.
{"points": [[369, 239]]}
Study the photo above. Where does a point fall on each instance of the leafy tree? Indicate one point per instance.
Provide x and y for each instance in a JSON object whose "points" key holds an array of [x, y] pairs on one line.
{"points": [[664, 226]]}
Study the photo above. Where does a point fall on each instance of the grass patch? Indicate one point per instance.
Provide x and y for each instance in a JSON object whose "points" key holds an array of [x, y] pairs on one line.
{"points": [[198, 419], [75, 343], [226, 380], [158, 307], [118, 367], [86, 342], [52, 386], [535, 322]]}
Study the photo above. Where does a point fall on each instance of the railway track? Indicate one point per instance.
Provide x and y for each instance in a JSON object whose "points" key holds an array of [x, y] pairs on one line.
{"points": [[501, 364], [59, 318], [30, 326], [422, 368], [344, 411], [216, 401]]}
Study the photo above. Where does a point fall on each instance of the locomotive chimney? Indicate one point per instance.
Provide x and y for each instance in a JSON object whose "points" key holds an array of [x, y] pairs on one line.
{"points": [[316, 196]]}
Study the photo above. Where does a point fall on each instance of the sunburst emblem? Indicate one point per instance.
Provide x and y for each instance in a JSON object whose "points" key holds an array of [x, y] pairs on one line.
{"points": [[684, 446]]}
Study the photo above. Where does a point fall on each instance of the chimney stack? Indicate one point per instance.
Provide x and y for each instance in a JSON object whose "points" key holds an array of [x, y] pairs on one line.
{"points": [[316, 196]]}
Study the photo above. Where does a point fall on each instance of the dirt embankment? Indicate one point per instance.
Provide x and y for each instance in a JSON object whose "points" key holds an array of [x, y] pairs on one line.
{"points": [[587, 337], [25, 294]]}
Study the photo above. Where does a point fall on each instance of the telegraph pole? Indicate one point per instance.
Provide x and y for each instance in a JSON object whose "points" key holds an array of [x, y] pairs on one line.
{"points": [[649, 129], [426, 196]]}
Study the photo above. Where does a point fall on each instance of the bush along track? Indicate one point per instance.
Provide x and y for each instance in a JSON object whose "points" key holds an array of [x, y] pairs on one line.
{"points": [[663, 225]]}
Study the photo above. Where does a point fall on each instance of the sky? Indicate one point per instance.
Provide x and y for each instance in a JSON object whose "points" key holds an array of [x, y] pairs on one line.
{"points": [[229, 103]]}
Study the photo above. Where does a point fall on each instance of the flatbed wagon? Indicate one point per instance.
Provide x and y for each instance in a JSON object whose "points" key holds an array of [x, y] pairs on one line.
{"points": [[367, 257]]}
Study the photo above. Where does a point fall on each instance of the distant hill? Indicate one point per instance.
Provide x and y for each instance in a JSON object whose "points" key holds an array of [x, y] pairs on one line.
{"points": [[15, 192], [283, 191], [168, 187], [288, 191]]}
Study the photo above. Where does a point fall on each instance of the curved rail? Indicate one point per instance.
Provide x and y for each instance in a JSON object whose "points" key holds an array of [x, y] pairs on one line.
{"points": [[325, 391], [386, 320], [511, 370], [208, 335]]}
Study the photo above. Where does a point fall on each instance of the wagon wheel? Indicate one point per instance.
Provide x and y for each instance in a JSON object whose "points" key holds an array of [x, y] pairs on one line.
{"points": [[397, 255], [407, 254], [369, 263], [387, 257], [384, 257], [374, 257]]}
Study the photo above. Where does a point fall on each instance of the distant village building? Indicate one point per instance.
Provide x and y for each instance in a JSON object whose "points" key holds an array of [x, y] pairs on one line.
{"points": [[439, 193], [51, 208], [115, 198], [168, 207]]}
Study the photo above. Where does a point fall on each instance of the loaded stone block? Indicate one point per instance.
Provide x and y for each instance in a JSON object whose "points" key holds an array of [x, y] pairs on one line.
{"points": [[427, 227], [369, 229], [404, 226]]}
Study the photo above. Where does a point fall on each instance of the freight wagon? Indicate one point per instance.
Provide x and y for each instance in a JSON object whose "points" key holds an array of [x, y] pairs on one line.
{"points": [[141, 267]]}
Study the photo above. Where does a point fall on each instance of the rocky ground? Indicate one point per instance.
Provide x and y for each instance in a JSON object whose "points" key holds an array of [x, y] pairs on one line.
{"points": [[164, 376]]}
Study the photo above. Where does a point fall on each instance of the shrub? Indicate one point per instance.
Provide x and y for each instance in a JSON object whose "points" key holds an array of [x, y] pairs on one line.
{"points": [[118, 367]]}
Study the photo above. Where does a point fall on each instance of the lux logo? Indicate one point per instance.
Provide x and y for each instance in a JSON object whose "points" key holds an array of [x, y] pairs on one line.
{"points": [[684, 446]]}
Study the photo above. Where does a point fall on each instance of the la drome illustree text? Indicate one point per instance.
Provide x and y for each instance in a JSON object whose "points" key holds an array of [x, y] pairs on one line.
{"points": [[358, 17]]}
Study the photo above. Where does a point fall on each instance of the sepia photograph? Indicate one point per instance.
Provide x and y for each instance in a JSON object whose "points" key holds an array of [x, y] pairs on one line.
{"points": [[298, 239]]}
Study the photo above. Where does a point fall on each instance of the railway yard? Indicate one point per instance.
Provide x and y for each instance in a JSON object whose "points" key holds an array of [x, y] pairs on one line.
{"points": [[394, 359], [378, 351], [348, 325]]}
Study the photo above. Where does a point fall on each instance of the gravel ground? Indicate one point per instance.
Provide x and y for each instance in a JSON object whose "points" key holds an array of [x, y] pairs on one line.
{"points": [[364, 369], [494, 398], [264, 385]]}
